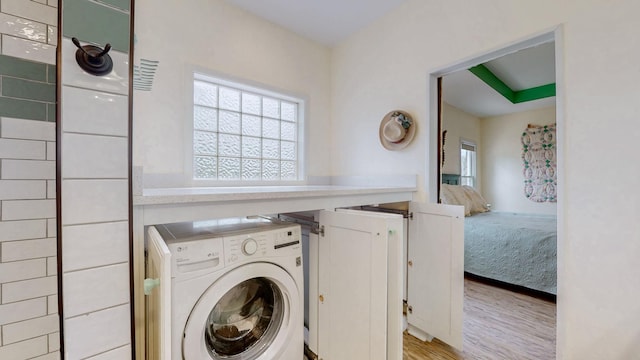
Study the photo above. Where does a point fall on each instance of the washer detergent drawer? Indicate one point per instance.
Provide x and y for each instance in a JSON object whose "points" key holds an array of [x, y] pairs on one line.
{"points": [[192, 256]]}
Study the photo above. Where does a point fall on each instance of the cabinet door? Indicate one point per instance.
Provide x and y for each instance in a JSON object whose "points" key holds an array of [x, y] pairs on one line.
{"points": [[312, 286], [436, 272], [360, 312], [158, 312]]}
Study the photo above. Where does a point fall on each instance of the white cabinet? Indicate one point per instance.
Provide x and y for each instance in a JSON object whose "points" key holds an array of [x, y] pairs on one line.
{"points": [[435, 273], [360, 301], [360, 282]]}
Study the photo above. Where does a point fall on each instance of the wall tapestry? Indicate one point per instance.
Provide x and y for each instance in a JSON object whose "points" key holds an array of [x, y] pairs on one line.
{"points": [[539, 156]]}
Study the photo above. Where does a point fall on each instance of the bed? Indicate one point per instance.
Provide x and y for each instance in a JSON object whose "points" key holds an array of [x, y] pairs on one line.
{"points": [[510, 248]]}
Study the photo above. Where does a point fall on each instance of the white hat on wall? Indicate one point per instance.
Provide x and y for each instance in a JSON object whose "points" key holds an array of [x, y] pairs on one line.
{"points": [[397, 129]]}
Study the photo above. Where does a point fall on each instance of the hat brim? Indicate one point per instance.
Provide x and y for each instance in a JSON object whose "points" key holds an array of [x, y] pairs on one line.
{"points": [[411, 131]]}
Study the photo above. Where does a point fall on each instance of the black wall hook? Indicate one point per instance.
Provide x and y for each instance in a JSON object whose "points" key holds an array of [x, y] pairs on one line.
{"points": [[93, 59]]}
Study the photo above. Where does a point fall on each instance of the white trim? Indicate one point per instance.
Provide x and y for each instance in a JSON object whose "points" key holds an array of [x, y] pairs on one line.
{"points": [[474, 176], [553, 34], [560, 210]]}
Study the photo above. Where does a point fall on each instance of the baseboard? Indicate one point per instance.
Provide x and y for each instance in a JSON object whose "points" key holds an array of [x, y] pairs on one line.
{"points": [[511, 287]]}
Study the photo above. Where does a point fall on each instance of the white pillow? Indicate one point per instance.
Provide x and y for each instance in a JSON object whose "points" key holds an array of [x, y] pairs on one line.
{"points": [[477, 202], [454, 195], [446, 196]]}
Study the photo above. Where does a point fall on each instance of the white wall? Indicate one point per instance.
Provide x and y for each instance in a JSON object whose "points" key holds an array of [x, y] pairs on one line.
{"points": [[211, 34], [386, 66], [460, 126], [502, 179]]}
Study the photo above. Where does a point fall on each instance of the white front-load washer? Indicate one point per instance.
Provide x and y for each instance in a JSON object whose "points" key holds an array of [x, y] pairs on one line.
{"points": [[237, 289]]}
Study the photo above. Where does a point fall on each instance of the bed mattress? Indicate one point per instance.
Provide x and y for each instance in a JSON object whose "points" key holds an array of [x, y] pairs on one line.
{"points": [[518, 249]]}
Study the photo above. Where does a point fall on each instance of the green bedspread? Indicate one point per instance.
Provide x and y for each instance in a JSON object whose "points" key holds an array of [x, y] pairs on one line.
{"points": [[514, 248]]}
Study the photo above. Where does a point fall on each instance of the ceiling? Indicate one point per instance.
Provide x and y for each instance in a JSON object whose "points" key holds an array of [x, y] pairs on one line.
{"points": [[331, 21], [327, 21], [525, 69]]}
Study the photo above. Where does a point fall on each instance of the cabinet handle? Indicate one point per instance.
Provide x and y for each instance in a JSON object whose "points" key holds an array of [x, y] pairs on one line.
{"points": [[410, 263], [321, 298]]}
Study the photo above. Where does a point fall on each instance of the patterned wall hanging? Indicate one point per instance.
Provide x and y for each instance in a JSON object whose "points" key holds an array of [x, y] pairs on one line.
{"points": [[539, 156]]}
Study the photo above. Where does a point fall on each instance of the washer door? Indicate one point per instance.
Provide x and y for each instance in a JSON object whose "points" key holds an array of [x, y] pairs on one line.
{"points": [[246, 314]]}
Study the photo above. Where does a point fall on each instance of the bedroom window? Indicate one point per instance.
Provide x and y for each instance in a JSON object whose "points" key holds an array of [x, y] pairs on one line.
{"points": [[244, 134], [468, 163]]}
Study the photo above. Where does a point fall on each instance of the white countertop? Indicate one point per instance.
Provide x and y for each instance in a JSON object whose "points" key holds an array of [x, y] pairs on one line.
{"points": [[185, 195], [161, 205]]}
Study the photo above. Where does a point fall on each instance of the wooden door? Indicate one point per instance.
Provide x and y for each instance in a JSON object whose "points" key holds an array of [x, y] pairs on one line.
{"points": [[158, 297], [360, 308], [436, 272]]}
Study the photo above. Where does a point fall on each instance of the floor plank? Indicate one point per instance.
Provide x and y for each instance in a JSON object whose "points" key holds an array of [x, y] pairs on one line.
{"points": [[498, 324]]}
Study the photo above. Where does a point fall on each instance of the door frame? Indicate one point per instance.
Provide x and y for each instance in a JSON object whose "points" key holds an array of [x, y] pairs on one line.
{"points": [[434, 146]]}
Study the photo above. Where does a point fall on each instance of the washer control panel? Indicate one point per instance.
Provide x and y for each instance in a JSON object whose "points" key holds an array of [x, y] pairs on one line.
{"points": [[196, 252], [277, 242]]}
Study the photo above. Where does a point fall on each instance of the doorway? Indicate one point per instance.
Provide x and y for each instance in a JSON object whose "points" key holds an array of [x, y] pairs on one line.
{"points": [[460, 142]]}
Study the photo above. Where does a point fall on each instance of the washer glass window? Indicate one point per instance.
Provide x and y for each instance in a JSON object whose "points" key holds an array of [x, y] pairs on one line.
{"points": [[245, 320]]}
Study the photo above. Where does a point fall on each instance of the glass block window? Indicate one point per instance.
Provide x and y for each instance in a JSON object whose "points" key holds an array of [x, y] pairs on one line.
{"points": [[243, 133]]}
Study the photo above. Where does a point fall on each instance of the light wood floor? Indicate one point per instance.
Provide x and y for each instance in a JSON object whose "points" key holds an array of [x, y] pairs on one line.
{"points": [[498, 324]]}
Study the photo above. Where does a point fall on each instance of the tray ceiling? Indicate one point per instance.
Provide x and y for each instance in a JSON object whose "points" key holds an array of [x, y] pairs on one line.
{"points": [[531, 68]]}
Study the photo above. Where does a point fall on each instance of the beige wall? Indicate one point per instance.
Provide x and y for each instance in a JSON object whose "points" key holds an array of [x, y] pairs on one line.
{"points": [[387, 65], [501, 154], [215, 36]]}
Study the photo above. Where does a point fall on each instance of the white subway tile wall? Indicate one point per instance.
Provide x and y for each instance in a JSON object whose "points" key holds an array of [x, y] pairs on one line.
{"points": [[28, 169], [14, 25], [34, 130], [31, 10], [29, 321], [28, 249], [28, 329], [28, 264], [22, 149], [110, 286], [115, 354], [93, 200], [25, 349], [22, 189], [23, 310], [101, 156], [21, 270], [29, 49], [80, 242], [95, 195], [109, 112], [97, 332], [29, 289]]}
